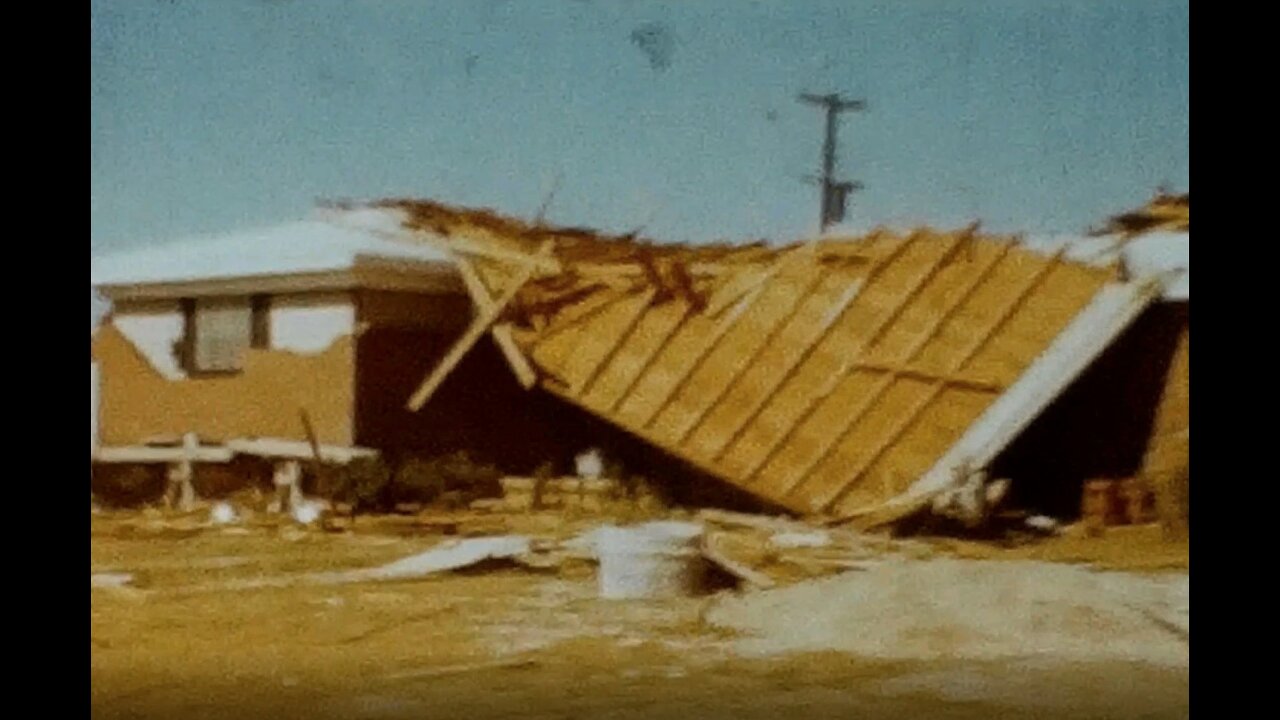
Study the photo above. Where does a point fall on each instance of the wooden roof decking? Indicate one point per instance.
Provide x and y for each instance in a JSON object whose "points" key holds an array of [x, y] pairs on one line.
{"points": [[825, 378]]}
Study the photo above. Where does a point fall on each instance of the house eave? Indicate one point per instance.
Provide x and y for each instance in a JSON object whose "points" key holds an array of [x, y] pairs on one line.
{"points": [[367, 272]]}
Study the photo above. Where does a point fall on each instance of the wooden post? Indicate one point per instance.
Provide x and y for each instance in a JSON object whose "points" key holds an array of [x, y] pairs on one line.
{"points": [[286, 477], [317, 460], [181, 491]]}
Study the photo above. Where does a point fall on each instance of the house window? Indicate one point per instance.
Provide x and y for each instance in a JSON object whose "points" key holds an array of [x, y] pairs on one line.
{"points": [[220, 330]]}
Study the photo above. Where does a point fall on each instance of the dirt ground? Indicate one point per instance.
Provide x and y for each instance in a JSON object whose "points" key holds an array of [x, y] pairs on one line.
{"points": [[517, 643]]}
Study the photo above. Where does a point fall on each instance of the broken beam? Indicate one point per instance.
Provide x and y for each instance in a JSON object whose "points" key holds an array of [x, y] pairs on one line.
{"points": [[502, 332], [487, 317]]}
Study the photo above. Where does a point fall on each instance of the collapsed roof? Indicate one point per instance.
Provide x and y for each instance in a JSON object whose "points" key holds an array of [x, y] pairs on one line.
{"points": [[842, 377], [1166, 211]]}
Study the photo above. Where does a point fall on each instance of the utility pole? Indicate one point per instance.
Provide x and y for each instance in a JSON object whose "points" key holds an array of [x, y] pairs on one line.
{"points": [[835, 194]]}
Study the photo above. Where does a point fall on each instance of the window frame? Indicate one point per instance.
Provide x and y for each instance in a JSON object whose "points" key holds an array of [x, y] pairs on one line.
{"points": [[259, 308]]}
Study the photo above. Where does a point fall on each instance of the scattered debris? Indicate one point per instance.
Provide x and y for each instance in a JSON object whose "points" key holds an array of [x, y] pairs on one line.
{"points": [[970, 501], [572, 493], [505, 551], [223, 513], [771, 551], [757, 522], [488, 504], [788, 540], [590, 465], [1043, 524], [111, 580], [308, 511], [740, 570], [452, 555]]}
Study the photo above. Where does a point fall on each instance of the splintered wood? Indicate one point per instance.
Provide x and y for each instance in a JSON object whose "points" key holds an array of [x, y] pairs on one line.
{"points": [[823, 378]]}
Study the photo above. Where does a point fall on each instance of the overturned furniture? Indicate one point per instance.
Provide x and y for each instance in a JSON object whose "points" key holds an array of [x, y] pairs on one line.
{"points": [[844, 378]]}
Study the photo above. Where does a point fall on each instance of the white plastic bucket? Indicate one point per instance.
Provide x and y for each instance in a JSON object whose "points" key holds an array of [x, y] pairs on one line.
{"points": [[655, 560]]}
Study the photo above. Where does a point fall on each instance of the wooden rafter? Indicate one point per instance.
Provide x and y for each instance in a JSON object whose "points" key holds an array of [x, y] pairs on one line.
{"points": [[957, 366], [479, 326], [719, 331], [598, 366], [750, 361], [751, 295], [581, 316], [833, 315], [502, 332], [648, 360], [876, 331], [917, 373], [838, 435]]}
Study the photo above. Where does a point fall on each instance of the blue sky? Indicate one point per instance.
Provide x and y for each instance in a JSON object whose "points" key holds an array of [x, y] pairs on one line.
{"points": [[1036, 116]]}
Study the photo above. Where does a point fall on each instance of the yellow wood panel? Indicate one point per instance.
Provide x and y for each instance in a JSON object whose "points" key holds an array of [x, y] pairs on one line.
{"points": [[858, 444], [666, 371], [1008, 278], [795, 396], [774, 364], [954, 280], [733, 353], [653, 331], [945, 420], [601, 336], [1046, 312], [918, 284], [811, 438]]}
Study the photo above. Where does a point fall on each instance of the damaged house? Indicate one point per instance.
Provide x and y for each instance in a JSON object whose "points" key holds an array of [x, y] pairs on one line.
{"points": [[1127, 417], [846, 378], [852, 379], [315, 329]]}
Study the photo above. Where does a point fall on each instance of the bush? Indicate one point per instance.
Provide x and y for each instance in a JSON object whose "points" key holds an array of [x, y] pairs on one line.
{"points": [[431, 479], [127, 485], [363, 484]]}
